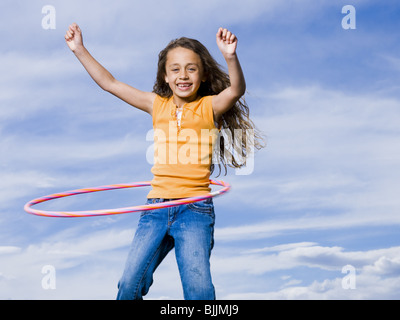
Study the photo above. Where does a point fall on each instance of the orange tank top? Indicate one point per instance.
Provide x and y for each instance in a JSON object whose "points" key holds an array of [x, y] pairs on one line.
{"points": [[182, 148]]}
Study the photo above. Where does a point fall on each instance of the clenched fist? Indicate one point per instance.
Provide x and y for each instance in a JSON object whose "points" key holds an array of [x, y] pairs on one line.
{"points": [[73, 37]]}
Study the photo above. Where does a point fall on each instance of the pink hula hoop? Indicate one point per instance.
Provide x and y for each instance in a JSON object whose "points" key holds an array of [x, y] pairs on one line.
{"points": [[92, 213]]}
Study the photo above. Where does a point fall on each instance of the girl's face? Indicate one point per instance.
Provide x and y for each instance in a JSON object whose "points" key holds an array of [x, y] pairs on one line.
{"points": [[184, 74]]}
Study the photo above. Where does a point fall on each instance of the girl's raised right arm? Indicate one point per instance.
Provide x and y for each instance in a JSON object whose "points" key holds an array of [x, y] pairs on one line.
{"points": [[137, 98]]}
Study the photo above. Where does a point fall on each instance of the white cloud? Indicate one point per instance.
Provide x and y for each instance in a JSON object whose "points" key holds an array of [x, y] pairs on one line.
{"points": [[295, 255], [16, 185], [310, 221], [376, 274], [385, 266], [58, 149], [92, 256], [9, 249], [376, 270]]}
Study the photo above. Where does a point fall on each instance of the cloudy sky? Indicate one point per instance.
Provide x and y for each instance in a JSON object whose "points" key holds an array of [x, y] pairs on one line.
{"points": [[323, 195]]}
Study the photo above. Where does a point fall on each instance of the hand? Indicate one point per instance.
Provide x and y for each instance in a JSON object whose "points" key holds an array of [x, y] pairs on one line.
{"points": [[227, 42], [73, 37]]}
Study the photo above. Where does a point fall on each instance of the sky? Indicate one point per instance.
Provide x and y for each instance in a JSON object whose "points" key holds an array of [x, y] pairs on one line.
{"points": [[318, 217]]}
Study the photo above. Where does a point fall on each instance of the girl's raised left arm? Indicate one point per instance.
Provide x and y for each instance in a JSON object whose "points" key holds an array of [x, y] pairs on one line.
{"points": [[227, 43]]}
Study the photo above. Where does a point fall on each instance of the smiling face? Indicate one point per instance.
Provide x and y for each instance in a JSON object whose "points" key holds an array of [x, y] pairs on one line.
{"points": [[184, 74]]}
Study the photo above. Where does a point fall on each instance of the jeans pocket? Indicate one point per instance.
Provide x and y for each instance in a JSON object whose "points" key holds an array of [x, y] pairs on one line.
{"points": [[204, 206]]}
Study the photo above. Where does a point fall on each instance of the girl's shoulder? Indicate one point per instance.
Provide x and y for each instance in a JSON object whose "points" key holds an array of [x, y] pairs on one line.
{"points": [[160, 102], [161, 98]]}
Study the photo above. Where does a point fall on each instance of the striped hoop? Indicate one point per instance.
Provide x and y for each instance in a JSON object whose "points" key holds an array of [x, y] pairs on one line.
{"points": [[92, 213]]}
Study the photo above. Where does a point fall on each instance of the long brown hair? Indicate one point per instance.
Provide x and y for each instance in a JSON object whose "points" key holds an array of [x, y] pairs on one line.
{"points": [[235, 118]]}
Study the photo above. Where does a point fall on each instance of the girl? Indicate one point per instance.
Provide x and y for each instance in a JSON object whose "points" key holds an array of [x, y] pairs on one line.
{"points": [[191, 94]]}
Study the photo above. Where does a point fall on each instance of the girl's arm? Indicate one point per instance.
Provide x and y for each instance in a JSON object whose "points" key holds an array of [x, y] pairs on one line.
{"points": [[227, 43], [137, 98]]}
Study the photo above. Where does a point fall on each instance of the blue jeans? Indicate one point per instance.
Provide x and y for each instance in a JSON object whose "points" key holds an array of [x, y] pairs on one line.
{"points": [[190, 229]]}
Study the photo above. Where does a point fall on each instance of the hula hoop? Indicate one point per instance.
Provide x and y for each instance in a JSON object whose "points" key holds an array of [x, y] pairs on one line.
{"points": [[92, 213]]}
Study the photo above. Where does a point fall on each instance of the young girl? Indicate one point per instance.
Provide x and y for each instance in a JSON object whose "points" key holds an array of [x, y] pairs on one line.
{"points": [[191, 94]]}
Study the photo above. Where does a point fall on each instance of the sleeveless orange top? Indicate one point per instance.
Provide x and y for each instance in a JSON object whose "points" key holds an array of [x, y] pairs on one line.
{"points": [[182, 149]]}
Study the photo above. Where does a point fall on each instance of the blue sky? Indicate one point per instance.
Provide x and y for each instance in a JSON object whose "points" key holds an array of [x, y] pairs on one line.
{"points": [[323, 193]]}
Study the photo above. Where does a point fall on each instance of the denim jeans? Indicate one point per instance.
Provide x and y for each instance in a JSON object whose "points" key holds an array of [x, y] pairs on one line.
{"points": [[190, 229]]}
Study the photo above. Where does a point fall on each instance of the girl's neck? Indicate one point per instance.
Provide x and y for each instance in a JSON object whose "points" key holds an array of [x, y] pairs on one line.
{"points": [[181, 101]]}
